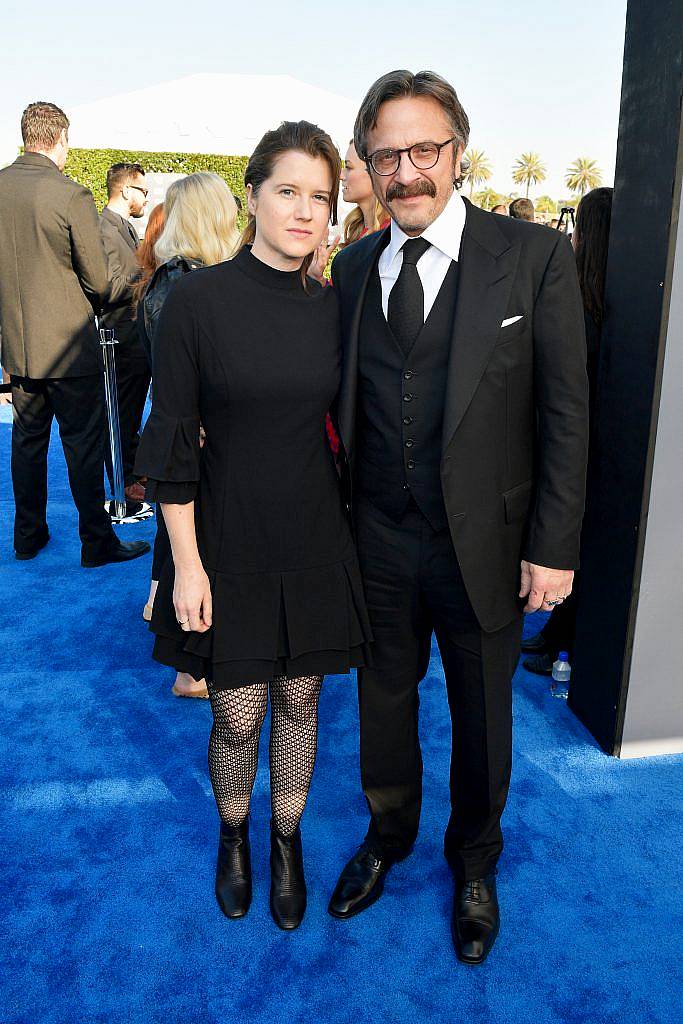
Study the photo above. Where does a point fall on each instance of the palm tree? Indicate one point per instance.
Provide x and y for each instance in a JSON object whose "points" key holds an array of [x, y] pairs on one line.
{"points": [[528, 171], [546, 205], [478, 168], [583, 175], [487, 199]]}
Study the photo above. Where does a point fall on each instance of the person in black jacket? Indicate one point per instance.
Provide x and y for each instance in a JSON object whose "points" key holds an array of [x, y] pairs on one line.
{"points": [[463, 416], [590, 240], [263, 597], [127, 198], [200, 229]]}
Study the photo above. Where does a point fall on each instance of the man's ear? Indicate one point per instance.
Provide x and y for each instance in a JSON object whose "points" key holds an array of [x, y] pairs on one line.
{"points": [[457, 160], [251, 200]]}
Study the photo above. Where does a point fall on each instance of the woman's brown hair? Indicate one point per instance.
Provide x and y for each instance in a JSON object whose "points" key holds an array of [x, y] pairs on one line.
{"points": [[145, 253], [303, 137], [591, 241]]}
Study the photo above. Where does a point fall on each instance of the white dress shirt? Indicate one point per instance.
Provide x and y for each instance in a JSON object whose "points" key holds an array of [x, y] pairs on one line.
{"points": [[444, 236]]}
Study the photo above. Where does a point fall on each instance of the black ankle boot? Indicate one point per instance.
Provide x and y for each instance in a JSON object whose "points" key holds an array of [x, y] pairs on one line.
{"points": [[233, 870], [287, 883]]}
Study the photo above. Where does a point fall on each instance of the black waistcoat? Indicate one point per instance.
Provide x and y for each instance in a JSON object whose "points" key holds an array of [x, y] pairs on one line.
{"points": [[401, 401]]}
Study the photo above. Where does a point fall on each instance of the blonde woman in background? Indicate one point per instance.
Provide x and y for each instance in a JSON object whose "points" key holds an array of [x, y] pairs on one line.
{"points": [[369, 214], [200, 230]]}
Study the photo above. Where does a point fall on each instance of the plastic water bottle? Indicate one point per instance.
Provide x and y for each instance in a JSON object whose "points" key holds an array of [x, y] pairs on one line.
{"points": [[562, 670]]}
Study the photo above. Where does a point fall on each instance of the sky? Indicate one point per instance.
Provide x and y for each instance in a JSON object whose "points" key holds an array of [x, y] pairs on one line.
{"points": [[532, 76]]}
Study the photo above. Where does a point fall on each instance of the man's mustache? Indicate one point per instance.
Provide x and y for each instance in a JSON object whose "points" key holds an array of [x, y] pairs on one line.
{"points": [[423, 187]]}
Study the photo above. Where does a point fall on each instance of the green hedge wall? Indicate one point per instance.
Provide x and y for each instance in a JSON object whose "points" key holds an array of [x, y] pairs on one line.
{"points": [[89, 167]]}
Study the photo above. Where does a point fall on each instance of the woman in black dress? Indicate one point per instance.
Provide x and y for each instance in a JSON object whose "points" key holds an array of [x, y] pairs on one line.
{"points": [[264, 591]]}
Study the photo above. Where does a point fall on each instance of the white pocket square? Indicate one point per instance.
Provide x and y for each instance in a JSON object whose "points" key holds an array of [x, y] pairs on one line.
{"points": [[511, 320]]}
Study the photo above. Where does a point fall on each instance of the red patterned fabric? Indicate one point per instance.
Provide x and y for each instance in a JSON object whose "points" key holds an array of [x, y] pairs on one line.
{"points": [[332, 435]]}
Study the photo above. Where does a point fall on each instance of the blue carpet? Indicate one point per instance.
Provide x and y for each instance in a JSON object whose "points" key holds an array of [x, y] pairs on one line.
{"points": [[109, 831]]}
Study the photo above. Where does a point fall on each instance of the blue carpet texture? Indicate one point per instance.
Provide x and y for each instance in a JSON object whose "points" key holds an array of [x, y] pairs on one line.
{"points": [[109, 832]]}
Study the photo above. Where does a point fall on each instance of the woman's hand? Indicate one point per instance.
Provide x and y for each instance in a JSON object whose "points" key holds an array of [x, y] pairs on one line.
{"points": [[192, 599], [321, 257]]}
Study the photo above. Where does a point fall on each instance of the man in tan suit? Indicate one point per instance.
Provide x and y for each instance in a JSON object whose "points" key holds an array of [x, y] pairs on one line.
{"points": [[53, 279]]}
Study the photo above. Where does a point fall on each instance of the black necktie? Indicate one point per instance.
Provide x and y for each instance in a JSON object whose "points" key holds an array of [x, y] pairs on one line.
{"points": [[406, 299], [133, 234]]}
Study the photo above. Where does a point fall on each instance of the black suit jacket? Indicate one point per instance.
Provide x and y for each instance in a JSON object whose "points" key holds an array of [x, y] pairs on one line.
{"points": [[515, 427], [122, 266]]}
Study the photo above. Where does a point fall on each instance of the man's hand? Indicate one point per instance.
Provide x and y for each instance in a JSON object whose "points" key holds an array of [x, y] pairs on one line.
{"points": [[544, 588]]}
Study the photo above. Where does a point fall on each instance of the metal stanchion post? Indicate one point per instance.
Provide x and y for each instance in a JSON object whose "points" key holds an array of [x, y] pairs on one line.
{"points": [[107, 342]]}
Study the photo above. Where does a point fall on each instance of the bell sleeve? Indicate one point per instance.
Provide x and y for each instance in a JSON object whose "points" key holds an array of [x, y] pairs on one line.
{"points": [[169, 450]]}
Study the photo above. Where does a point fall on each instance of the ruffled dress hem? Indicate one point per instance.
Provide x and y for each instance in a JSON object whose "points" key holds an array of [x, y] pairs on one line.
{"points": [[302, 622]]}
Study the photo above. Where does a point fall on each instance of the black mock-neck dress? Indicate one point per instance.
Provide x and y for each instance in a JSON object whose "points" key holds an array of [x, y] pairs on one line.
{"points": [[254, 357]]}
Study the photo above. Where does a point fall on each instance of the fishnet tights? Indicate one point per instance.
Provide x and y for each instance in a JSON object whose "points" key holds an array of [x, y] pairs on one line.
{"points": [[233, 747]]}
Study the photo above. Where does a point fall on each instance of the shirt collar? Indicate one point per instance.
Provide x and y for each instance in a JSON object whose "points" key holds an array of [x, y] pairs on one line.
{"points": [[444, 234], [116, 215]]}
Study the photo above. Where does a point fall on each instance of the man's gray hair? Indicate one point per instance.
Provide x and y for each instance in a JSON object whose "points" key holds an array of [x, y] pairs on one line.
{"points": [[397, 84]]}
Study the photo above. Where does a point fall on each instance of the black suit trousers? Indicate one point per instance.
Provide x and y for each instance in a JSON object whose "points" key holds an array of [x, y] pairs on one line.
{"points": [[414, 587], [78, 405], [132, 384]]}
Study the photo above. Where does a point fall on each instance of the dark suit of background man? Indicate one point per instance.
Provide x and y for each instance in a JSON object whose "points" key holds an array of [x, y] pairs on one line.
{"points": [[463, 414], [127, 198], [53, 277]]}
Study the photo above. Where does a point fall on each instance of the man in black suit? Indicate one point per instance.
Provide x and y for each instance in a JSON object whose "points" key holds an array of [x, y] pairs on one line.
{"points": [[463, 417], [127, 198], [53, 278]]}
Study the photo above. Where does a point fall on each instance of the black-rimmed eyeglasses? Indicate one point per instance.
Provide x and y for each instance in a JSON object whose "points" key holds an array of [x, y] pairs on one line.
{"points": [[422, 155], [145, 191]]}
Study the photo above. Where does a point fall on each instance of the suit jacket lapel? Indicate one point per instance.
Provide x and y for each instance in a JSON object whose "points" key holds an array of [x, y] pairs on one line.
{"points": [[355, 289], [121, 225], [487, 266]]}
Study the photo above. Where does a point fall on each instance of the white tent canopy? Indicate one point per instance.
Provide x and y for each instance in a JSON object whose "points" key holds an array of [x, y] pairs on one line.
{"points": [[208, 113]]}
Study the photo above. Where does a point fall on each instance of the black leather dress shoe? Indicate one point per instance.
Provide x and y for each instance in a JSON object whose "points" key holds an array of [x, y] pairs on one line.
{"points": [[287, 882], [541, 664], [233, 870], [121, 553], [534, 644], [25, 556], [476, 919], [360, 884]]}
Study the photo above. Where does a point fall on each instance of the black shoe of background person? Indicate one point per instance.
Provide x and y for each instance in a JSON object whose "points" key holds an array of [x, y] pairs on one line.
{"points": [[475, 921], [361, 882], [287, 882], [535, 645], [121, 553], [233, 870], [541, 664], [24, 556]]}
